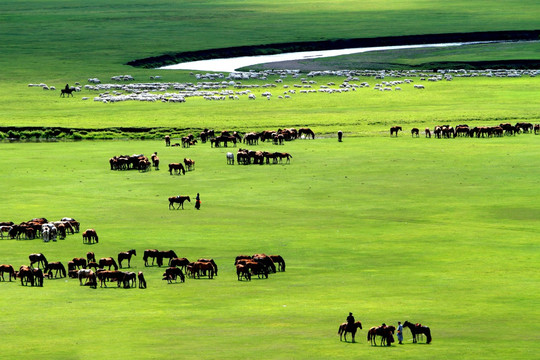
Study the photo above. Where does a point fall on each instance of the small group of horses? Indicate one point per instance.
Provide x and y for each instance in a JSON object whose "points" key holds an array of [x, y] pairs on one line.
{"points": [[136, 162], [247, 157], [179, 168], [39, 228], [260, 265], [464, 130], [384, 332]]}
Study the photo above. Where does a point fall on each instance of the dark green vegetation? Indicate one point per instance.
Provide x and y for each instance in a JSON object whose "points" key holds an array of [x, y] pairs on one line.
{"points": [[441, 232]]}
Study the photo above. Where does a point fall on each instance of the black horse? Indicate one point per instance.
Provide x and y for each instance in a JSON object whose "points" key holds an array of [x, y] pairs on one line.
{"points": [[178, 199], [418, 329], [67, 91], [344, 329]]}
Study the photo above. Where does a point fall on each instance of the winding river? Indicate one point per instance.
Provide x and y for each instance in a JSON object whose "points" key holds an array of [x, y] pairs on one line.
{"points": [[231, 64]]}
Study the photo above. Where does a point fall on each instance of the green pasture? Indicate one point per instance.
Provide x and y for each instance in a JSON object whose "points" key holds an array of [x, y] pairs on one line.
{"points": [[442, 232]]}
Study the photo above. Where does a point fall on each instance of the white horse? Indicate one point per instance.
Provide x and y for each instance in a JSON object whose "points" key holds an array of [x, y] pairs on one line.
{"points": [[230, 158], [46, 233]]}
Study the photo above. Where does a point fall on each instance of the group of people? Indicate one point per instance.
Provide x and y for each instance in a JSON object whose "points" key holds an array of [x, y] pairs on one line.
{"points": [[399, 330]]}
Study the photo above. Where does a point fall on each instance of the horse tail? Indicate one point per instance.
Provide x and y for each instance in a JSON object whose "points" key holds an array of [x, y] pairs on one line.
{"points": [[340, 330], [183, 171], [369, 336], [283, 264], [428, 335]]}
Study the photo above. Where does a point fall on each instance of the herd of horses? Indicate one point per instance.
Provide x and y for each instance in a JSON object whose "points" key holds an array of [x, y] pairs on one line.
{"points": [[134, 162], [39, 228], [247, 157], [464, 130], [385, 333]]}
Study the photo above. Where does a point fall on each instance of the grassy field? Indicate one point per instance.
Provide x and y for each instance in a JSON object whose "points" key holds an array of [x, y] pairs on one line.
{"points": [[432, 231]]}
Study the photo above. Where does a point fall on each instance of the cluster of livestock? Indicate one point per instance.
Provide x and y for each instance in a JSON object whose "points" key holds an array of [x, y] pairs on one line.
{"points": [[247, 157], [385, 332], [463, 130], [39, 228], [137, 162], [87, 269]]}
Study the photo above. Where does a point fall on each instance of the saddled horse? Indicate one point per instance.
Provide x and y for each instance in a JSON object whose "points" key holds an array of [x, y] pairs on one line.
{"points": [[385, 332], [178, 199], [177, 167], [344, 329], [126, 255], [58, 267], [89, 236], [306, 131], [39, 259], [67, 91], [190, 164], [108, 261], [418, 329], [26, 273], [7, 269], [395, 130], [142, 281], [154, 254]]}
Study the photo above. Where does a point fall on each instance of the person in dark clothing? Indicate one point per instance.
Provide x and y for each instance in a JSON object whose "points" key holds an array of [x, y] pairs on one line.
{"points": [[350, 322], [198, 202]]}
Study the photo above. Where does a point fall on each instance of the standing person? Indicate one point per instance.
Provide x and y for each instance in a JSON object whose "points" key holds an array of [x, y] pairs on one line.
{"points": [[350, 322], [340, 135], [400, 332], [198, 202]]}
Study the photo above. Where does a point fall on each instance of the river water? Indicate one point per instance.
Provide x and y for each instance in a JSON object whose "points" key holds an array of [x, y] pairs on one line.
{"points": [[231, 64]]}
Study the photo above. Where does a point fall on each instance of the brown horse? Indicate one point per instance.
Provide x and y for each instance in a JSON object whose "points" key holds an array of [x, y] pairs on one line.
{"points": [[172, 273], [395, 130], [203, 268], [79, 262], [418, 329], [428, 132], [142, 281], [177, 167], [167, 140], [58, 267], [38, 277], [344, 329], [90, 236], [85, 274], [242, 272], [39, 259], [169, 254], [90, 256], [155, 161], [178, 199], [7, 269], [154, 254], [306, 131], [26, 273], [105, 275], [277, 259], [190, 164], [385, 332], [126, 255], [415, 132], [108, 261]]}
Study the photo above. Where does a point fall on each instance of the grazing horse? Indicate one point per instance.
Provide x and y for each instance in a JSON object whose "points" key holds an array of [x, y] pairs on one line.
{"points": [[39, 259], [142, 281], [395, 129], [190, 164], [130, 279], [154, 254], [89, 236], [67, 91], [105, 275], [109, 261], [307, 131], [178, 199], [182, 263], [177, 167], [344, 329], [84, 274], [7, 269], [417, 329], [277, 259], [242, 271], [38, 277], [79, 262], [172, 273], [428, 132], [58, 267], [200, 268], [126, 255], [415, 132], [26, 273], [385, 332], [90, 256]]}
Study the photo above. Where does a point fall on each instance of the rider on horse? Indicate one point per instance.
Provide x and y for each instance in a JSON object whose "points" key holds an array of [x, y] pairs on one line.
{"points": [[350, 322]]}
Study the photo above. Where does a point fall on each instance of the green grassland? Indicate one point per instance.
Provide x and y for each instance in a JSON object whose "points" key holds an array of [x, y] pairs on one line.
{"points": [[441, 232]]}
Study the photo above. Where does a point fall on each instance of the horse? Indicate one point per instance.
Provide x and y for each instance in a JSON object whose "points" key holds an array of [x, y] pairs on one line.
{"points": [[105, 275], [417, 329], [230, 158], [395, 129], [126, 255], [39, 259], [284, 155], [415, 132], [177, 167], [89, 275], [67, 91], [142, 281], [58, 267], [89, 236], [26, 273], [428, 132], [385, 332], [79, 262], [344, 329], [277, 259], [38, 277], [90, 256], [190, 164], [109, 261], [9, 269], [155, 160], [179, 262], [242, 271], [202, 267], [172, 273], [130, 279], [167, 140], [307, 131], [178, 199], [169, 254], [154, 254]]}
